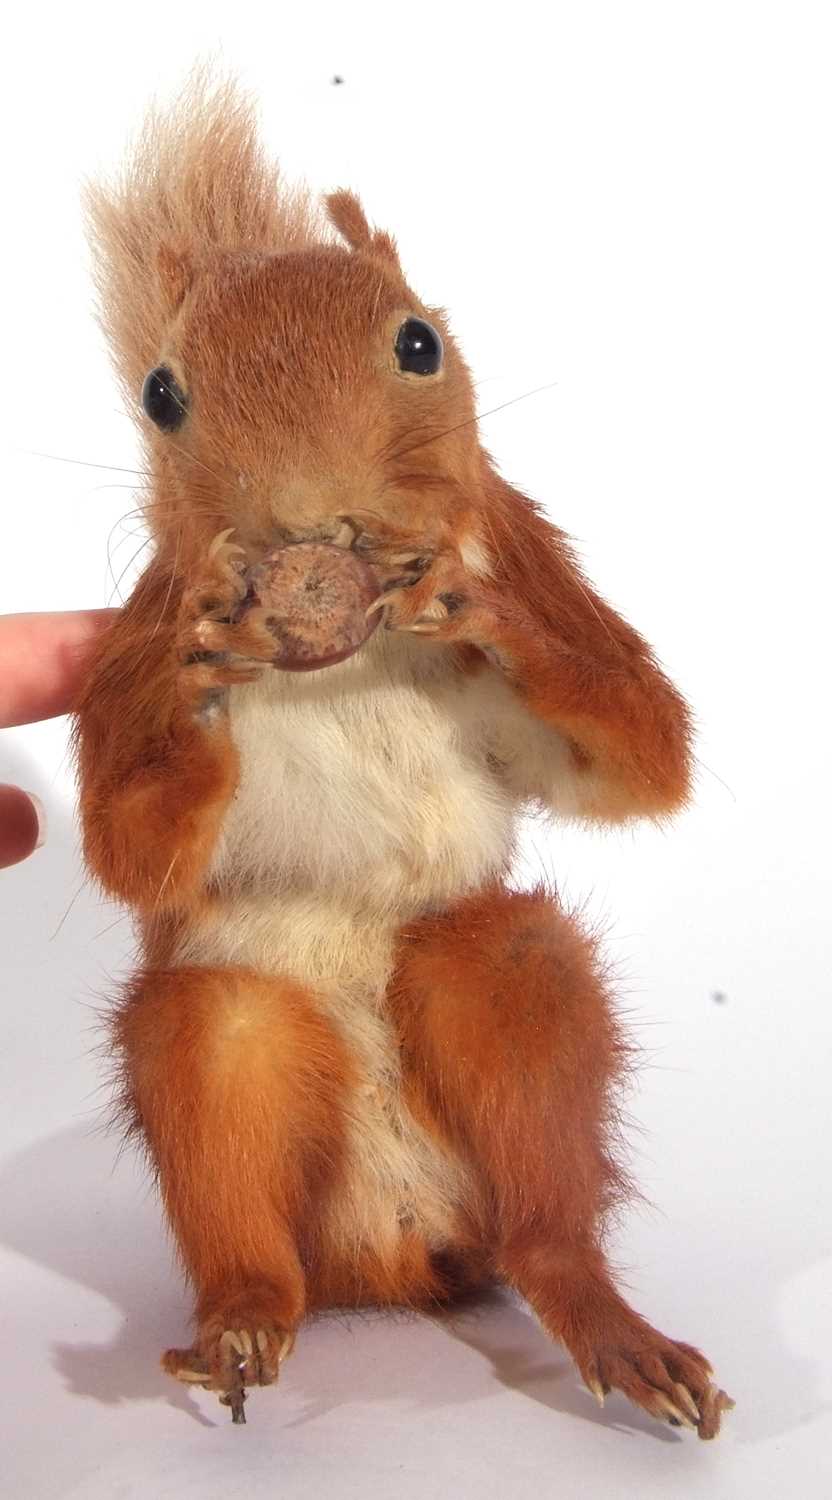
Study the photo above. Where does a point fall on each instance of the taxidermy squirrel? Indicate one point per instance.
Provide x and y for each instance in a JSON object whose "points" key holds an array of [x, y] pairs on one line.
{"points": [[365, 1067]]}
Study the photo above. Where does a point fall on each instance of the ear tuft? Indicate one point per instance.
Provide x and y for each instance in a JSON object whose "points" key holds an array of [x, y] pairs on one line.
{"points": [[348, 217]]}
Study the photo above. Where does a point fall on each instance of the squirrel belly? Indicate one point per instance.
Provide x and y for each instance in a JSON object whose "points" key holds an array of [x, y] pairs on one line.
{"points": [[366, 797]]}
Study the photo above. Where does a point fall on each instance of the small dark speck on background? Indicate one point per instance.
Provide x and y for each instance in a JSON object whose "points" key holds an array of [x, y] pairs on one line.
{"points": [[336, 78], [719, 997]]}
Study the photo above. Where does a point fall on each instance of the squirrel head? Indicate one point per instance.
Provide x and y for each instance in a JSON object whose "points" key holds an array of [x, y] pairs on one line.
{"points": [[291, 388], [283, 371]]}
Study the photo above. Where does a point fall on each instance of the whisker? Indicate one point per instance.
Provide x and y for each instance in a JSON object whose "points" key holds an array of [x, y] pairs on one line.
{"points": [[84, 881], [164, 608], [194, 459], [136, 530], [122, 917], [120, 468], [165, 603], [84, 464], [480, 417], [117, 582], [130, 515], [192, 507], [171, 392]]}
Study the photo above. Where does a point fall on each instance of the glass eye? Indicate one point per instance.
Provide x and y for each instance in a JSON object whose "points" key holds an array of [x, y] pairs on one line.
{"points": [[164, 400], [418, 348]]}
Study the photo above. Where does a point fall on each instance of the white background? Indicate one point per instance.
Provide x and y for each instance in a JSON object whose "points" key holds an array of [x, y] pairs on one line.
{"points": [[631, 201]]}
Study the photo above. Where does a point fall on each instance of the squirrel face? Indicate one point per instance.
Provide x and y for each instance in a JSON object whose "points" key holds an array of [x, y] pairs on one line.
{"points": [[298, 387]]}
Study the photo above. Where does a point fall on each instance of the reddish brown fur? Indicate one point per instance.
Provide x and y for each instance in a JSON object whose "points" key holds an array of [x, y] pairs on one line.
{"points": [[236, 1084], [506, 1022], [504, 1016], [609, 693], [281, 337]]}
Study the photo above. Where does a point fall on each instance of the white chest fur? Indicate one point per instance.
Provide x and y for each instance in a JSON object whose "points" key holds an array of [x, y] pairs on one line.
{"points": [[366, 783]]}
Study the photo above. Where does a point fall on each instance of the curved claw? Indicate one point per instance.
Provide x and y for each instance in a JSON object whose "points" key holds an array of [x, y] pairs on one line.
{"points": [[674, 1414], [379, 603], [221, 542], [685, 1399]]}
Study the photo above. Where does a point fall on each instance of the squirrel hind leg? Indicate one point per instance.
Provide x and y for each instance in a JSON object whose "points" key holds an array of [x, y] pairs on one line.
{"points": [[508, 1023], [236, 1082]]}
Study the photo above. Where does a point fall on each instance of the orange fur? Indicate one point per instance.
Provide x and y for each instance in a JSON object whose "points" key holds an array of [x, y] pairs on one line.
{"points": [[503, 1012], [155, 784], [353, 1095], [582, 668], [504, 1015], [236, 1085]]}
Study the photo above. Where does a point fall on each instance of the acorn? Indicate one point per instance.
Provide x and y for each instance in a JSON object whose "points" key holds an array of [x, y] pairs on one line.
{"points": [[315, 596]]}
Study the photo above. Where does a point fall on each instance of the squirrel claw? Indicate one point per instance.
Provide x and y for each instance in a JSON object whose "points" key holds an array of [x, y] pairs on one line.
{"points": [[235, 1396], [221, 543]]}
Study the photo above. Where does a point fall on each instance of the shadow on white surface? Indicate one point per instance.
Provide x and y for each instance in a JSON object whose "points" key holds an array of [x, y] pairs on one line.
{"points": [[70, 1210]]}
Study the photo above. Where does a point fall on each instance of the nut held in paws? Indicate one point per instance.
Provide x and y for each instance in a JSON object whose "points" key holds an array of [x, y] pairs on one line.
{"points": [[315, 597]]}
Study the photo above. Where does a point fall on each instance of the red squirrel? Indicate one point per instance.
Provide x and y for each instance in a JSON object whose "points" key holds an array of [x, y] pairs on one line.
{"points": [[366, 1067]]}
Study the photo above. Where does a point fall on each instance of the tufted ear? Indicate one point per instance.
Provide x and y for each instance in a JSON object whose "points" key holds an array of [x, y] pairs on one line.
{"points": [[349, 218]]}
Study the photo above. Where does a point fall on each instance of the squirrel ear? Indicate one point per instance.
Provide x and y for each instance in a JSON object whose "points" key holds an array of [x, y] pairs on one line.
{"points": [[176, 273], [349, 218]]}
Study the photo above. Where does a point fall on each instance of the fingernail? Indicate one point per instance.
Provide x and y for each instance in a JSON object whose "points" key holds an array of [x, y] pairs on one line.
{"points": [[40, 812]]}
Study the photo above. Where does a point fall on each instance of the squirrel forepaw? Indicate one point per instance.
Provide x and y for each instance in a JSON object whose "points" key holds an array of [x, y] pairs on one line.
{"points": [[215, 650], [438, 599]]}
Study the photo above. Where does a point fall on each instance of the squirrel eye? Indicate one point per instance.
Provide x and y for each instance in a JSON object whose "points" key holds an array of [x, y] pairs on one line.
{"points": [[163, 399], [418, 348]]}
